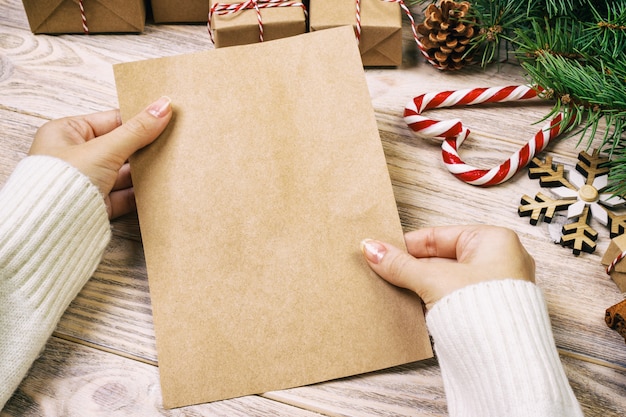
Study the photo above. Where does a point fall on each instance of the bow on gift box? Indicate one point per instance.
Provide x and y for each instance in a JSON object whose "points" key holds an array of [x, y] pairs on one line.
{"points": [[231, 8]]}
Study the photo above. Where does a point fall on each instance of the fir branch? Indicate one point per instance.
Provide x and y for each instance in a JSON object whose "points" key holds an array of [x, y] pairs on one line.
{"points": [[562, 38], [576, 62], [558, 7], [606, 35], [497, 21], [588, 95], [617, 172]]}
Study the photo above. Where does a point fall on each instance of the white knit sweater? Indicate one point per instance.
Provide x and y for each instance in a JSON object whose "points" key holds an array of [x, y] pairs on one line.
{"points": [[497, 354], [53, 231], [493, 340]]}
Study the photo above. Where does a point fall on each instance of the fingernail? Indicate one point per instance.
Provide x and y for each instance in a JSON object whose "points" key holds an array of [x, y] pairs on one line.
{"points": [[373, 250], [161, 107]]}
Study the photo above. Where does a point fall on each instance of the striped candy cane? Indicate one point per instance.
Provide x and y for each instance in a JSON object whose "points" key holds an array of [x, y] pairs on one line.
{"points": [[406, 10], [454, 133], [230, 8]]}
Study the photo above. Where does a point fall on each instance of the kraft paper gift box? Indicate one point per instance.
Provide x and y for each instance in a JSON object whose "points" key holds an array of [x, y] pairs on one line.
{"points": [[252, 205], [242, 27], [618, 274], [381, 27], [102, 16], [187, 11]]}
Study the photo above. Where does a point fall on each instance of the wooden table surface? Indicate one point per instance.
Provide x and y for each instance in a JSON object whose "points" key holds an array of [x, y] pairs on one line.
{"points": [[101, 360]]}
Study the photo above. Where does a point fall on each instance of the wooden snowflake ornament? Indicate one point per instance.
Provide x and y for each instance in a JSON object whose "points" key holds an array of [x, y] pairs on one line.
{"points": [[581, 193]]}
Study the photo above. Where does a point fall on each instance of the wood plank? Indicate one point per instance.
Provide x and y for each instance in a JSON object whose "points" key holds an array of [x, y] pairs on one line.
{"points": [[57, 76], [72, 380], [600, 390], [411, 390], [416, 390], [44, 77], [13, 15], [113, 311], [16, 135]]}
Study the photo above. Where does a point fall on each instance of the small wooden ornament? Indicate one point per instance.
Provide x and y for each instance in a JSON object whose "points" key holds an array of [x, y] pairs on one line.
{"points": [[582, 193], [615, 318]]}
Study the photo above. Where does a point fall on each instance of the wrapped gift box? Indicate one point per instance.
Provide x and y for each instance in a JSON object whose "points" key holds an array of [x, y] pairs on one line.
{"points": [[188, 11], [618, 273], [381, 27], [241, 26], [101, 16]]}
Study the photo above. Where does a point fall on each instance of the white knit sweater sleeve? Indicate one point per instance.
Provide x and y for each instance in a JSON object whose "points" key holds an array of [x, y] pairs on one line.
{"points": [[497, 353], [53, 231]]}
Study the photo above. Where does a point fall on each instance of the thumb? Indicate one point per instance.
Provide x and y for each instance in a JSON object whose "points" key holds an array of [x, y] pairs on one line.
{"points": [[139, 131], [392, 264], [401, 269]]}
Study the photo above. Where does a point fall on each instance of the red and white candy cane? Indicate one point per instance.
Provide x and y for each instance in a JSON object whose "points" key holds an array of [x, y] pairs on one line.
{"points": [[406, 10], [454, 133], [230, 8], [83, 17]]}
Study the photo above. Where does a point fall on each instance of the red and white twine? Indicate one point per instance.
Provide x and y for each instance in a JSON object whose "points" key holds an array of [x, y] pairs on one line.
{"points": [[83, 17], [408, 13], [454, 133], [231, 8], [357, 29], [617, 259]]}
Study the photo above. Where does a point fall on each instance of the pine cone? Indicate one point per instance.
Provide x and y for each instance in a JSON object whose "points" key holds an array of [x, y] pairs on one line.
{"points": [[446, 33]]}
